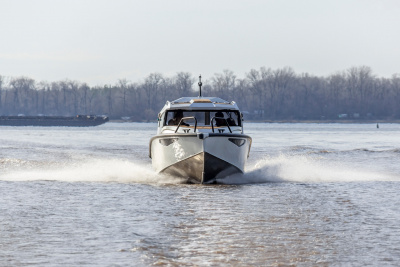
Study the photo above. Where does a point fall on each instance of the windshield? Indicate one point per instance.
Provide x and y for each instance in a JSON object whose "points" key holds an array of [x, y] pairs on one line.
{"points": [[204, 117]]}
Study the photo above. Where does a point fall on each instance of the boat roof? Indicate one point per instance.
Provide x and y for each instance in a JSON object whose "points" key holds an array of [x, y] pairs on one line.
{"points": [[200, 102]]}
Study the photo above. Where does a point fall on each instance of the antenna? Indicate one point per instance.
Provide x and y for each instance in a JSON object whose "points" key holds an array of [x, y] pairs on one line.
{"points": [[200, 84]]}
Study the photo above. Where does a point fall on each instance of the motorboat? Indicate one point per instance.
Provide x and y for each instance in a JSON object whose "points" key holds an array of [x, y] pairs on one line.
{"points": [[200, 139]]}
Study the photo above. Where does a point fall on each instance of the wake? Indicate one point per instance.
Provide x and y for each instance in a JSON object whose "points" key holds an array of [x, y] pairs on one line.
{"points": [[305, 169], [91, 170], [277, 169]]}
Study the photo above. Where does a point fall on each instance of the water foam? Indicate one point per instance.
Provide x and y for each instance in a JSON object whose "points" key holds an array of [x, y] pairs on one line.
{"points": [[93, 170], [282, 168], [305, 169]]}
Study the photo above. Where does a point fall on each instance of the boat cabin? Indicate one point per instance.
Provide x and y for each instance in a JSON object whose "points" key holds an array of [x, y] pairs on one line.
{"points": [[200, 114]]}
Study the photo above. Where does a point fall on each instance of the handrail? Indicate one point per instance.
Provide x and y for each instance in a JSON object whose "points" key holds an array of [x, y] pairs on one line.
{"points": [[187, 118], [227, 124]]}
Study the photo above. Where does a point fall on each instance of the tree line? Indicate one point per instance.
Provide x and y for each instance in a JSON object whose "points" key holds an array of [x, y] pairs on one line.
{"points": [[263, 94]]}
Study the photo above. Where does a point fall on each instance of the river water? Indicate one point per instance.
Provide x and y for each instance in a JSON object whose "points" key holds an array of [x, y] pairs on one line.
{"points": [[312, 194]]}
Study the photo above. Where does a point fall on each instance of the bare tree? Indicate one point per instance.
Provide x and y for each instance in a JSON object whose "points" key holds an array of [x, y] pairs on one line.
{"points": [[281, 81], [1, 92], [84, 88], [91, 94], [239, 93], [256, 87], [395, 84], [109, 97], [55, 92], [63, 85], [336, 94], [183, 83], [151, 86], [43, 93], [224, 82], [272, 93], [360, 83], [123, 85], [73, 87], [22, 87]]}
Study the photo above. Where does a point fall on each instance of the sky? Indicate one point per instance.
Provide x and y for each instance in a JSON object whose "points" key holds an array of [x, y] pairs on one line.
{"points": [[102, 41]]}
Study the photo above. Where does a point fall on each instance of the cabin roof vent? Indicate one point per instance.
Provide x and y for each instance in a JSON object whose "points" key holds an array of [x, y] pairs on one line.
{"points": [[200, 100]]}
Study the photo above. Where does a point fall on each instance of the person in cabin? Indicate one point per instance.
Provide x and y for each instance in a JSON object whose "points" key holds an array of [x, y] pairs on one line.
{"points": [[178, 115], [219, 119]]}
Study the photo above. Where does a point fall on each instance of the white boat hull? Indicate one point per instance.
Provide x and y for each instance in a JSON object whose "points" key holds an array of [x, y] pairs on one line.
{"points": [[202, 157]]}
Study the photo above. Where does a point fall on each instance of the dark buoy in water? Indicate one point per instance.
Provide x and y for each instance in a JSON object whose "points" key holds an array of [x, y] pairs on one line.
{"points": [[377, 126]]}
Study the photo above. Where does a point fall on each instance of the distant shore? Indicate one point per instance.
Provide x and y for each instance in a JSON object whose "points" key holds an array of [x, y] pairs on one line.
{"points": [[324, 121], [297, 121]]}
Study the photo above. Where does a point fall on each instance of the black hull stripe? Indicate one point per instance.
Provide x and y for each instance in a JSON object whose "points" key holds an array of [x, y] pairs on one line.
{"points": [[193, 168]]}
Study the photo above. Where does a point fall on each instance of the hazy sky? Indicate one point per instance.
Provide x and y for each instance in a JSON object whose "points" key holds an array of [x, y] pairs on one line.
{"points": [[99, 42]]}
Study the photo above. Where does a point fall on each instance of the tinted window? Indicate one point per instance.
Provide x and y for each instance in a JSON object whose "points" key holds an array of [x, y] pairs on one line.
{"points": [[203, 117]]}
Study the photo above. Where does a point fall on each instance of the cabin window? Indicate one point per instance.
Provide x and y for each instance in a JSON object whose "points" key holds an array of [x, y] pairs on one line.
{"points": [[204, 117]]}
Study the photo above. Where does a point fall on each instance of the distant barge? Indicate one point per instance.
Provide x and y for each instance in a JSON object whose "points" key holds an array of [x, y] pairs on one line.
{"points": [[77, 121]]}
